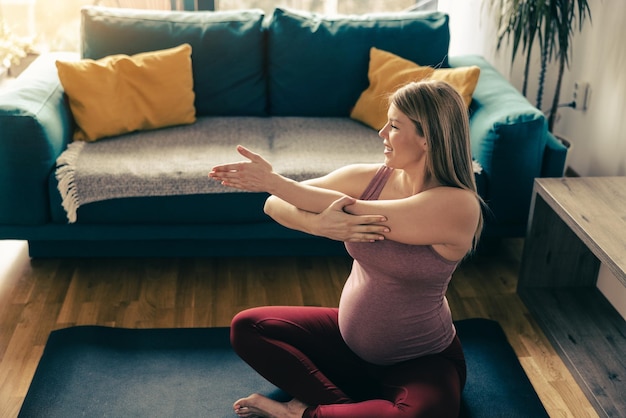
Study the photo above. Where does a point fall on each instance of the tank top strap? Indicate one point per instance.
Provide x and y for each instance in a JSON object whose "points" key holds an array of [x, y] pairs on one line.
{"points": [[372, 191]]}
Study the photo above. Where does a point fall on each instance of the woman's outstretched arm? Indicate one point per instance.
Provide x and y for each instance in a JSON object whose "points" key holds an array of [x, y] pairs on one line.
{"points": [[315, 207], [443, 215], [257, 175]]}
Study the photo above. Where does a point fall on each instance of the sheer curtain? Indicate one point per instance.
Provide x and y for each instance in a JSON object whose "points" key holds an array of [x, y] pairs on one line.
{"points": [[137, 4], [321, 6]]}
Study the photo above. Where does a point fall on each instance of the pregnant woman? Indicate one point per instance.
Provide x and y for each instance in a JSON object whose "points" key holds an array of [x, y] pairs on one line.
{"points": [[390, 349]]}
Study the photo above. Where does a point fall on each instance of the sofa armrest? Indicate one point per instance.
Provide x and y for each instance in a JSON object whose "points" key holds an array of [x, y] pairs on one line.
{"points": [[508, 138], [35, 127]]}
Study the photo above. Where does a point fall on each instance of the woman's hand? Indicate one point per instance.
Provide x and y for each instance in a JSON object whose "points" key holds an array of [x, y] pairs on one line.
{"points": [[255, 175], [337, 224], [319, 211]]}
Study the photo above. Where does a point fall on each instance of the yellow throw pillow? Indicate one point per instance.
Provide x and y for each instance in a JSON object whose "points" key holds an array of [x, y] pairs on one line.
{"points": [[120, 93], [387, 72], [463, 79]]}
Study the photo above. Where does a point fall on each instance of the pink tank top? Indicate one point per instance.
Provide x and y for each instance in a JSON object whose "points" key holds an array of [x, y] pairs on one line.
{"points": [[393, 306]]}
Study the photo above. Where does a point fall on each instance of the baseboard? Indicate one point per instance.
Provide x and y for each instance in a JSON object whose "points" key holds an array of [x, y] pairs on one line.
{"points": [[570, 172]]}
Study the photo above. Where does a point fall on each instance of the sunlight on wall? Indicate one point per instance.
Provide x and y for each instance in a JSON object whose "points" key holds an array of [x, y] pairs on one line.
{"points": [[32, 18], [473, 31], [469, 29]]}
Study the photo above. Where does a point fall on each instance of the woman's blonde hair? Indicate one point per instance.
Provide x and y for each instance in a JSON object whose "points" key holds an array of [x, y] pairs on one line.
{"points": [[441, 117]]}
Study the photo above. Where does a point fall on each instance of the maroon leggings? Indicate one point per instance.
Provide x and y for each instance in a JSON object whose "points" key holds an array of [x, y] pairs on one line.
{"points": [[300, 350]]}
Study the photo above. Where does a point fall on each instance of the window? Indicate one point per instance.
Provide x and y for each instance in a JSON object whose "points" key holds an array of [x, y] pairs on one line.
{"points": [[320, 6], [55, 26]]}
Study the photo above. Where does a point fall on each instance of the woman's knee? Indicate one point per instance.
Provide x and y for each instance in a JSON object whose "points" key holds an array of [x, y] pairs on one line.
{"points": [[242, 327], [243, 319], [250, 325]]}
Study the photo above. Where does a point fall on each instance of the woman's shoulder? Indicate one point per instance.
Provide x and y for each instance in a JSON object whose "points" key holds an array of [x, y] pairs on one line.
{"points": [[362, 168], [455, 196], [351, 170], [455, 214], [350, 179], [459, 208]]}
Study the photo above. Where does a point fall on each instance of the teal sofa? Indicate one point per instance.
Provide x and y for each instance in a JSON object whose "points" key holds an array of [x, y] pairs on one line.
{"points": [[295, 69]]}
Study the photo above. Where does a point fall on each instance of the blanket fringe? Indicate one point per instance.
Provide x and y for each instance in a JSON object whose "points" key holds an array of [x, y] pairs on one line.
{"points": [[476, 167], [65, 174]]}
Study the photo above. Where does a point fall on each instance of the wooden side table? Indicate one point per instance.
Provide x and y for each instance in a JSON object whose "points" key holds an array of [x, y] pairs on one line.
{"points": [[575, 224]]}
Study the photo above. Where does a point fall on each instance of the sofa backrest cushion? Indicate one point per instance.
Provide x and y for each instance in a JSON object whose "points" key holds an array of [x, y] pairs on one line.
{"points": [[318, 64], [227, 50]]}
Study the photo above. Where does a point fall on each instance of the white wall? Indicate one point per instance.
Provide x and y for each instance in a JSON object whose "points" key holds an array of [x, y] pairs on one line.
{"points": [[598, 135], [472, 32]]}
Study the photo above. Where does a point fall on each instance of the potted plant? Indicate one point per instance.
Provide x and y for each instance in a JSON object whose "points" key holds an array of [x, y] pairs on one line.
{"points": [[550, 25]]}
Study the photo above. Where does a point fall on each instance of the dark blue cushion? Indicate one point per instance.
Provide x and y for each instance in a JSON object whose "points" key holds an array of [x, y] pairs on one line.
{"points": [[227, 50], [317, 65]]}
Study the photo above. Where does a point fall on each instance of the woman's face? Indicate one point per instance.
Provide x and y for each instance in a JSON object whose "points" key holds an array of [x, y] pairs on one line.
{"points": [[404, 147]]}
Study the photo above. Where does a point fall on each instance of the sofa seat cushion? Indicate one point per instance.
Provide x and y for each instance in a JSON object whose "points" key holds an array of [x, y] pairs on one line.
{"points": [[227, 58], [318, 64], [195, 209], [175, 162]]}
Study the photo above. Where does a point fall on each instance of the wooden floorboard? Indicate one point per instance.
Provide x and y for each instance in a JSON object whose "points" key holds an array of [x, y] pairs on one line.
{"points": [[38, 296], [591, 338]]}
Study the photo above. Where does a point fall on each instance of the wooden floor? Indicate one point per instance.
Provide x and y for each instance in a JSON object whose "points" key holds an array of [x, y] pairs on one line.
{"points": [[37, 296]]}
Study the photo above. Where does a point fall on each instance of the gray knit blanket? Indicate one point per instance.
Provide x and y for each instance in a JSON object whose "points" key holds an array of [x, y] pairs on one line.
{"points": [[177, 160]]}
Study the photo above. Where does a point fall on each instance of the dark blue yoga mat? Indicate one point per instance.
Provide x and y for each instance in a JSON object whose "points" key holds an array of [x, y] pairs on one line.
{"points": [[97, 371]]}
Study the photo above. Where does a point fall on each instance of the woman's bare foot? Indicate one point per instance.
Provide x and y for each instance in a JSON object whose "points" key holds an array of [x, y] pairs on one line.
{"points": [[257, 405]]}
